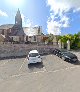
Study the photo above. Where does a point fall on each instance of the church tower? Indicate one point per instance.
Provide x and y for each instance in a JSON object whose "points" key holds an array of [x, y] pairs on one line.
{"points": [[18, 19]]}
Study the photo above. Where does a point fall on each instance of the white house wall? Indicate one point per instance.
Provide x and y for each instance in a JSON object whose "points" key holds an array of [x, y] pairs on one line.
{"points": [[30, 31]]}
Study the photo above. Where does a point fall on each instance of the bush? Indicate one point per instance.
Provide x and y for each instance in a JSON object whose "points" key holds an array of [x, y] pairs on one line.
{"points": [[79, 45], [74, 46]]}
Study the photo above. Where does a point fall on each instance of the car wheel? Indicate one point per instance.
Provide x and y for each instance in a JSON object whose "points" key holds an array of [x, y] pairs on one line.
{"points": [[41, 62], [56, 54], [59, 56], [63, 58]]}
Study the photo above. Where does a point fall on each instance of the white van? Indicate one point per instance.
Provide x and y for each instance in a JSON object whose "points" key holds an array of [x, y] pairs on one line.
{"points": [[34, 57]]}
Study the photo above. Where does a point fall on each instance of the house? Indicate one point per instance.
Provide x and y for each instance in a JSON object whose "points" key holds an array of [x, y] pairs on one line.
{"points": [[33, 34]]}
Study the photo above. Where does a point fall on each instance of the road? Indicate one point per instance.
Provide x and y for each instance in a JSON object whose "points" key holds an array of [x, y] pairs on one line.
{"points": [[54, 75]]}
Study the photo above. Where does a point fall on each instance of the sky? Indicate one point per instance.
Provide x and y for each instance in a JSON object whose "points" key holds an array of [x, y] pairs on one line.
{"points": [[58, 17]]}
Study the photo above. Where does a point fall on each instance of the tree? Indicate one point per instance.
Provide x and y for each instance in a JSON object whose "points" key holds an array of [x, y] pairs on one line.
{"points": [[78, 33], [63, 39], [50, 38], [74, 39], [44, 38]]}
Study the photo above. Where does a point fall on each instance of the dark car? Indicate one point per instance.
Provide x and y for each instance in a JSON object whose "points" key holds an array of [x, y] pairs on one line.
{"points": [[56, 51], [66, 55]]}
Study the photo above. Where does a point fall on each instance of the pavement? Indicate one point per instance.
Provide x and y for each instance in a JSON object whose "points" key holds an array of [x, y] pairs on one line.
{"points": [[53, 75]]}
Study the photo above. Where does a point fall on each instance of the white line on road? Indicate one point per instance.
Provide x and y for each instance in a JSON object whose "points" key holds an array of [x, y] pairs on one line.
{"points": [[4, 63], [22, 64], [68, 68]]}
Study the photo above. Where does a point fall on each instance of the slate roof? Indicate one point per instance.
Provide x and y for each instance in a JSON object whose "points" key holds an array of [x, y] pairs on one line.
{"points": [[6, 26]]}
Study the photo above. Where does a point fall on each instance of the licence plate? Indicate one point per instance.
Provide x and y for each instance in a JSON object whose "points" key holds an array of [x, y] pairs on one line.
{"points": [[74, 59]]}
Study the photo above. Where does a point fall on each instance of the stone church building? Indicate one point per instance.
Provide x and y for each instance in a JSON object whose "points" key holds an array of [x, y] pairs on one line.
{"points": [[17, 33]]}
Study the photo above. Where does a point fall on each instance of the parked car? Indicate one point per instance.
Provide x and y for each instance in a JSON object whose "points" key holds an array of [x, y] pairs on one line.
{"points": [[56, 51], [34, 57], [66, 55]]}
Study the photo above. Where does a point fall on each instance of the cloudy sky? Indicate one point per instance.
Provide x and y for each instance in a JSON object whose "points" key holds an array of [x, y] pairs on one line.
{"points": [[55, 16]]}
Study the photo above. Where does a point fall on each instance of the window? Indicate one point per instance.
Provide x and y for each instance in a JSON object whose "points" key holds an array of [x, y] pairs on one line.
{"points": [[3, 32], [33, 54], [12, 38], [34, 38]]}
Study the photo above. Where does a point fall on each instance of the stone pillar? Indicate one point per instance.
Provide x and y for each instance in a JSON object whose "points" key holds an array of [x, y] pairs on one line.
{"points": [[68, 45], [62, 45], [59, 44], [55, 41], [46, 42]]}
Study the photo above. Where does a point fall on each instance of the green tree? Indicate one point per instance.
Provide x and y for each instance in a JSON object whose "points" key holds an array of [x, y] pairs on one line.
{"points": [[78, 34], [50, 38], [63, 38], [74, 39]]}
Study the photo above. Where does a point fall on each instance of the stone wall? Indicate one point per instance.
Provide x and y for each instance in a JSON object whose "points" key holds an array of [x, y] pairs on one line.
{"points": [[21, 50]]}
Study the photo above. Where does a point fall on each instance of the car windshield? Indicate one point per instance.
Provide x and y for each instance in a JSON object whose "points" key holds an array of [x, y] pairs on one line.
{"points": [[62, 50], [65, 52], [33, 54]]}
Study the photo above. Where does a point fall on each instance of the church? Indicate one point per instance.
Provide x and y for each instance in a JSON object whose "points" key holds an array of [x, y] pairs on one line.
{"points": [[17, 33]]}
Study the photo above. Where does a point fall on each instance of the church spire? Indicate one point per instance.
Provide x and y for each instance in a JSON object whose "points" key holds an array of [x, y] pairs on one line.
{"points": [[18, 19], [18, 12]]}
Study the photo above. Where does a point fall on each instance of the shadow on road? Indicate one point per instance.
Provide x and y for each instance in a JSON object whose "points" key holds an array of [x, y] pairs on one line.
{"points": [[36, 65], [75, 63]]}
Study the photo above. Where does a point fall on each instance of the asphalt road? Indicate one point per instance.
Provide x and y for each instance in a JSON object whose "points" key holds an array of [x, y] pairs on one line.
{"points": [[54, 75]]}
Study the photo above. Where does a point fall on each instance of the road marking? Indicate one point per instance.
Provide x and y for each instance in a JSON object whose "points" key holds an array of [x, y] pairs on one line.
{"points": [[16, 75], [22, 64], [4, 63], [68, 68]]}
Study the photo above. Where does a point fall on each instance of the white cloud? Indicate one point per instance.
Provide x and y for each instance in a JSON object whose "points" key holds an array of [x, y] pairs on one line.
{"points": [[28, 26], [26, 21], [63, 4], [23, 17], [29, 23], [58, 10], [53, 27], [3, 13], [64, 21], [57, 6], [36, 25], [76, 10], [71, 3]]}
